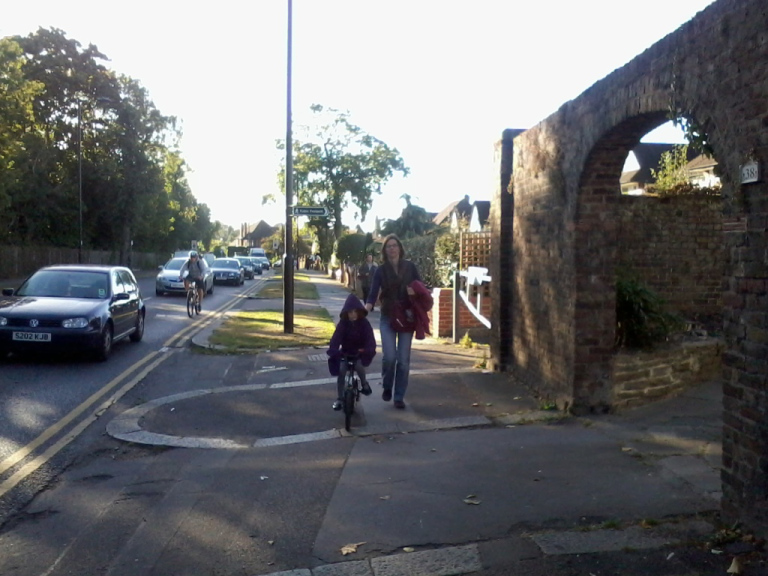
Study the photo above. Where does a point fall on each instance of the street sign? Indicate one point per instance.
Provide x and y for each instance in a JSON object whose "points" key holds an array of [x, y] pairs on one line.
{"points": [[310, 211]]}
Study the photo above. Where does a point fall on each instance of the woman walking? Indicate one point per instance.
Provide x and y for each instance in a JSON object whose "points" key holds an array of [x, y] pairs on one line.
{"points": [[391, 284]]}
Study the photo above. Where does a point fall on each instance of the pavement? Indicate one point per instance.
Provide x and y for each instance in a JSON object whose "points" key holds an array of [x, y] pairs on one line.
{"points": [[473, 477]]}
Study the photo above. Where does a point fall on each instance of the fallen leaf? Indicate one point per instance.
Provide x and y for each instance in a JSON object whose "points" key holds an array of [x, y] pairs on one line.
{"points": [[384, 497], [350, 548], [475, 404], [264, 477], [270, 542], [488, 404], [408, 549], [716, 551], [626, 449], [735, 567], [669, 557], [473, 501], [433, 449]]}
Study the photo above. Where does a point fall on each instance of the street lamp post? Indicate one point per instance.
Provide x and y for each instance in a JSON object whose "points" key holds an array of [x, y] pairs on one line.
{"points": [[80, 176], [288, 260]]}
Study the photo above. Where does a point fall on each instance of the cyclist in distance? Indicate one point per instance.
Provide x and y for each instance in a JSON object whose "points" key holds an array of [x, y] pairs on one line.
{"points": [[196, 268]]}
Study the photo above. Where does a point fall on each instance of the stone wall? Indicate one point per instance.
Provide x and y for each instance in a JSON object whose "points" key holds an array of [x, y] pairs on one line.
{"points": [[642, 376]]}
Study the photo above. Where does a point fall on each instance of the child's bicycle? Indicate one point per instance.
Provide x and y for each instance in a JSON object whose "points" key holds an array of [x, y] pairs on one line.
{"points": [[193, 299], [352, 388]]}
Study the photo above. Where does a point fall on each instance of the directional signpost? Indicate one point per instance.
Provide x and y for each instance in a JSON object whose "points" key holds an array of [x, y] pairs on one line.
{"points": [[310, 211]]}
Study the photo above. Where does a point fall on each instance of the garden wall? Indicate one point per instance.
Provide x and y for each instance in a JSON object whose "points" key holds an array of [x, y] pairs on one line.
{"points": [[674, 244], [640, 376]]}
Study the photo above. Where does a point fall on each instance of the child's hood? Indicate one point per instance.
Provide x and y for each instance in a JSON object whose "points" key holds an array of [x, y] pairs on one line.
{"points": [[353, 303]]}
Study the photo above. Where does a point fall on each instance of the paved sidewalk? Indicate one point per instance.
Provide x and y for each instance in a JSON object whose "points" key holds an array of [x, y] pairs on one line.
{"points": [[472, 477]]}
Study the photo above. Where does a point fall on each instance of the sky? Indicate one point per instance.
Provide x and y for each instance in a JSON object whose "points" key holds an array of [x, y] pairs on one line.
{"points": [[440, 81]]}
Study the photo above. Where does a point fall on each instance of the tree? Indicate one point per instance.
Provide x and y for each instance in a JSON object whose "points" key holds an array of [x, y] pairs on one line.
{"points": [[339, 165], [672, 169], [61, 109], [413, 221], [17, 95]]}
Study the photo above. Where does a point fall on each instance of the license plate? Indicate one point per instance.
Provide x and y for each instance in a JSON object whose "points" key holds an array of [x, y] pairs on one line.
{"points": [[32, 336], [177, 284]]}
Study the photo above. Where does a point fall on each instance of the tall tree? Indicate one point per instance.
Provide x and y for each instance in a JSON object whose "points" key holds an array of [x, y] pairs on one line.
{"points": [[17, 95], [413, 221], [337, 164]]}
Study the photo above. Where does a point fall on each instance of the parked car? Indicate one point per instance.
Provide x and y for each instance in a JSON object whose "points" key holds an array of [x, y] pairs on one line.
{"points": [[167, 281], [228, 271], [263, 261], [72, 308], [248, 267], [256, 268]]}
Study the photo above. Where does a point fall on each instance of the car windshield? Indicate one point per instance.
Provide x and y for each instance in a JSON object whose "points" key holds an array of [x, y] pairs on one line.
{"points": [[175, 263], [229, 264], [66, 284]]}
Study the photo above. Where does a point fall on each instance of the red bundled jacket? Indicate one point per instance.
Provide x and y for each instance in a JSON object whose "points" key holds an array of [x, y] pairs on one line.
{"points": [[422, 303]]}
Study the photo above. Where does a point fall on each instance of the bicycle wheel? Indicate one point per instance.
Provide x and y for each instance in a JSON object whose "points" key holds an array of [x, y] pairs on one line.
{"points": [[190, 303], [198, 305], [349, 407]]}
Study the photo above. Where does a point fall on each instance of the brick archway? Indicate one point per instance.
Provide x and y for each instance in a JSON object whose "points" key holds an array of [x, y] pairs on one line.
{"points": [[556, 334]]}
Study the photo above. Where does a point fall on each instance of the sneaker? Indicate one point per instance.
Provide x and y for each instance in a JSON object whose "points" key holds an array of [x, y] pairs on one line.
{"points": [[337, 405], [399, 404], [366, 388], [386, 395]]}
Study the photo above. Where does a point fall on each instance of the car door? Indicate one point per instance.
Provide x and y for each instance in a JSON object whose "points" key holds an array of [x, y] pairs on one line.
{"points": [[121, 307]]}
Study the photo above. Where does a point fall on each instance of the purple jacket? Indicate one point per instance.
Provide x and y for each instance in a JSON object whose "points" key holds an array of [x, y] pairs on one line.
{"points": [[351, 337]]}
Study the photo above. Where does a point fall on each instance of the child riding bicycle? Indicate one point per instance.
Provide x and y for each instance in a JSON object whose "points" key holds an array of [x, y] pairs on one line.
{"points": [[353, 337]]}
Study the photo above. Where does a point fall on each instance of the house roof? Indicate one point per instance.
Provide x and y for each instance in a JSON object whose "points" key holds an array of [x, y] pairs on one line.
{"points": [[648, 155], [462, 208], [483, 208], [445, 213], [701, 162], [260, 231]]}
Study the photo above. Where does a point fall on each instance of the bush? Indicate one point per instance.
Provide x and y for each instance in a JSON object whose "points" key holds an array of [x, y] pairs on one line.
{"points": [[641, 320]]}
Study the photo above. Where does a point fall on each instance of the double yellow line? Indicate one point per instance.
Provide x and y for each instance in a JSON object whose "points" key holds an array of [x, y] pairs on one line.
{"points": [[143, 366]]}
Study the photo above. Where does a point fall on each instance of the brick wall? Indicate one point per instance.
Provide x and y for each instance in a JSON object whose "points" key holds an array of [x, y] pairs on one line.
{"points": [[675, 245], [442, 315], [566, 220]]}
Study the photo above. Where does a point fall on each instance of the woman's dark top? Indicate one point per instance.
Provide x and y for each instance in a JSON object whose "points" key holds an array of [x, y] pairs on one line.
{"points": [[392, 285]]}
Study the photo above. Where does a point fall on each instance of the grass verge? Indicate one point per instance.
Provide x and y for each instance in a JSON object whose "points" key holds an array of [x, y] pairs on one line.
{"points": [[248, 332]]}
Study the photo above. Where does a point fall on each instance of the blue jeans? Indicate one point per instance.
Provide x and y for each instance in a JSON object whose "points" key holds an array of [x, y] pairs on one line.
{"points": [[396, 364]]}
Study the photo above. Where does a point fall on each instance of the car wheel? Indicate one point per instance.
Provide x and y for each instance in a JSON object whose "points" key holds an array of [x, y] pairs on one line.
{"points": [[210, 290], [105, 343], [159, 292], [138, 333]]}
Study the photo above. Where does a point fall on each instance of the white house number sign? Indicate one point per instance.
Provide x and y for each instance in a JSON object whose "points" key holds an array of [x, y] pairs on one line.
{"points": [[750, 172]]}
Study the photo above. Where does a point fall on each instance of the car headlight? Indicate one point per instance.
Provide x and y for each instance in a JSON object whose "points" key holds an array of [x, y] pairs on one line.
{"points": [[3, 321], [74, 323]]}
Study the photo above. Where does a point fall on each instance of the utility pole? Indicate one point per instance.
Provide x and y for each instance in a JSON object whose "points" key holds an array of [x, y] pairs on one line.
{"points": [[289, 255]]}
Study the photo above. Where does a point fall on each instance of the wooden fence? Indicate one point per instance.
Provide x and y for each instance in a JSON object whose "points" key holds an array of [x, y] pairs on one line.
{"points": [[20, 261]]}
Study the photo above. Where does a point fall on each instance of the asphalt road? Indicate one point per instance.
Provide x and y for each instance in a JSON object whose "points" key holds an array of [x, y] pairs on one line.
{"points": [[48, 402]]}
